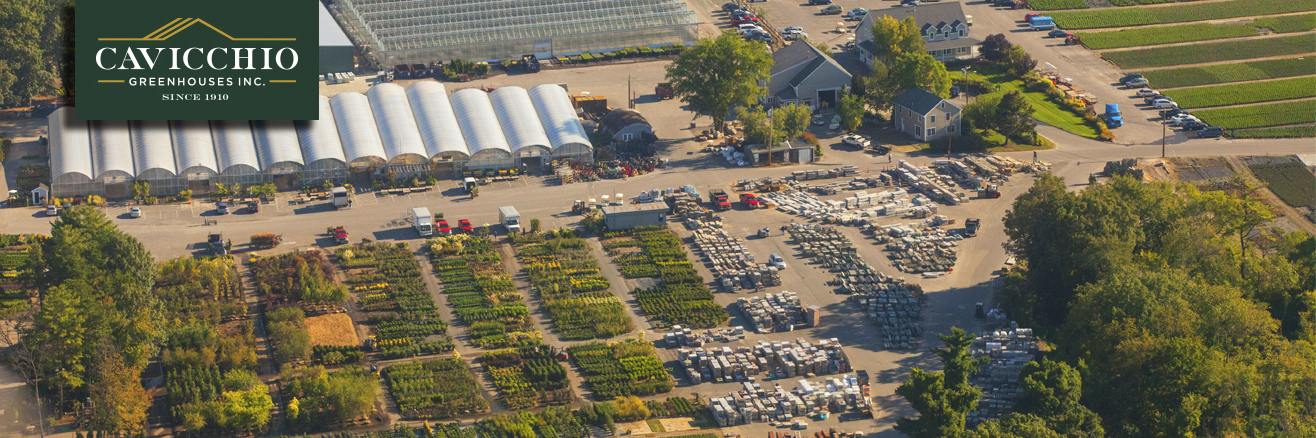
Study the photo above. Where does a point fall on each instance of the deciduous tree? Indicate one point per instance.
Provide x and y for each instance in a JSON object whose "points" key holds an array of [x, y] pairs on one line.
{"points": [[1018, 61], [892, 37], [719, 73], [794, 120], [995, 47], [118, 400], [851, 110], [1051, 391], [920, 70]]}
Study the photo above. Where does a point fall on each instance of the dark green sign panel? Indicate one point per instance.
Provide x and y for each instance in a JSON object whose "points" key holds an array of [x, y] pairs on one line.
{"points": [[197, 60]]}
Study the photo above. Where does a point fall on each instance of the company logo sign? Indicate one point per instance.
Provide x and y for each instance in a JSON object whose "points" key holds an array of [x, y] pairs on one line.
{"points": [[236, 59]]}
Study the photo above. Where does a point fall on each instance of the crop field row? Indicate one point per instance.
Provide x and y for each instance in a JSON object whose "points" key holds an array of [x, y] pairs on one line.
{"points": [[480, 291], [1213, 52], [387, 282], [1252, 92], [434, 389], [1281, 132], [1121, 17], [683, 297], [527, 376], [567, 278], [625, 368], [1052, 5], [1146, 36], [1257, 116], [1290, 181], [1225, 73]]}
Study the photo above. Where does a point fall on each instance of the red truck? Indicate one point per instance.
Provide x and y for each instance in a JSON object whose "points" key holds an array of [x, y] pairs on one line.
{"points": [[444, 229], [749, 200], [465, 226], [664, 91], [719, 199]]}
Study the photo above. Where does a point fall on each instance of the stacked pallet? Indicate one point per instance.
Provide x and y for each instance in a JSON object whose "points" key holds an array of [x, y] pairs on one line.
{"points": [[752, 403], [778, 359], [839, 172], [773, 313], [731, 263], [919, 248], [1008, 351]]}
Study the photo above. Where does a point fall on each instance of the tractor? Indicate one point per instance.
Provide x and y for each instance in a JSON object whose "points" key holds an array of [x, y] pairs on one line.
{"points": [[1073, 40]]}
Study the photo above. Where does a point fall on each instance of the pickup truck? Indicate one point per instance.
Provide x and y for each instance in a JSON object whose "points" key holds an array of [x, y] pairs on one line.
{"points": [[719, 199], [465, 226], [664, 91], [442, 226], [749, 200], [340, 236], [971, 226]]}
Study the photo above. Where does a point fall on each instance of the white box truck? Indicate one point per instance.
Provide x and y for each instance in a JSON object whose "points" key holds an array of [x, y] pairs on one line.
{"points": [[423, 221], [510, 219], [339, 196]]}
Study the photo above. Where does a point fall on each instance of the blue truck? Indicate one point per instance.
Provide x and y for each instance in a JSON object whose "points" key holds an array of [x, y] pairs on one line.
{"points": [[1112, 116], [1041, 23]]}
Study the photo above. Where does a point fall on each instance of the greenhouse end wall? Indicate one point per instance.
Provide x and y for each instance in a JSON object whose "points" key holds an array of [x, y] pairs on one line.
{"points": [[561, 46]]}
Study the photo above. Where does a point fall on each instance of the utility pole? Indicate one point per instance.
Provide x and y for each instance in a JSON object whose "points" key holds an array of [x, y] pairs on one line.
{"points": [[630, 96], [771, 133], [1162, 134]]}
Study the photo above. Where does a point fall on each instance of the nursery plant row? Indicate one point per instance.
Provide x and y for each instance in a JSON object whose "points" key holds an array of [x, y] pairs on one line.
{"points": [[682, 298], [566, 277], [480, 291], [1121, 17], [434, 389], [1225, 73], [527, 377], [387, 283], [629, 367]]}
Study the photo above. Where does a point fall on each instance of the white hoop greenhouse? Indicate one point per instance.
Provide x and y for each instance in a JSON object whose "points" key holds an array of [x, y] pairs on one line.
{"points": [[419, 129]]}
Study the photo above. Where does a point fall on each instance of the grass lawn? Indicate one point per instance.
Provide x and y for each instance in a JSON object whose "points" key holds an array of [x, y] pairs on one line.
{"points": [[1045, 110], [983, 141]]}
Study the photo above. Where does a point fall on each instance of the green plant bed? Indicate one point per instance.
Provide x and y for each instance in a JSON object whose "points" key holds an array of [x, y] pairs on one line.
{"points": [[1051, 5], [1257, 116], [434, 389], [1224, 73], [1045, 110], [1291, 182], [1146, 36], [1281, 132], [1213, 52], [1122, 17], [1251, 92]]}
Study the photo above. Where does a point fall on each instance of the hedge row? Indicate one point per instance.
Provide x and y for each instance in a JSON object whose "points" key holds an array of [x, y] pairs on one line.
{"points": [[1177, 14], [1213, 52]]}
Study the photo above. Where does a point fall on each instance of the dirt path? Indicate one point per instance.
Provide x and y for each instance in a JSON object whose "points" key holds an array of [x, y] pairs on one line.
{"points": [[1251, 104], [1232, 83], [1219, 40], [620, 287], [266, 368], [1232, 61]]}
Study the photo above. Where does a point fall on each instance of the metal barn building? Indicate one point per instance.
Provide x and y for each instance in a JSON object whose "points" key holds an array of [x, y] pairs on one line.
{"points": [[425, 31], [417, 130]]}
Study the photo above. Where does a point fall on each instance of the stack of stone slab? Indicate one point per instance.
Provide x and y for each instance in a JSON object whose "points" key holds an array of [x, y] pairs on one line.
{"points": [[774, 312], [919, 248], [684, 337], [754, 404], [731, 262], [779, 359], [927, 182], [839, 172], [1009, 350]]}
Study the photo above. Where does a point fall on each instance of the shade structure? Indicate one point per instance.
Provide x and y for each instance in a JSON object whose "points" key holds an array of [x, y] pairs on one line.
{"points": [[235, 147], [70, 151], [479, 124], [521, 126], [437, 122], [112, 151], [559, 119], [194, 150], [397, 126], [356, 128], [153, 151], [276, 142]]}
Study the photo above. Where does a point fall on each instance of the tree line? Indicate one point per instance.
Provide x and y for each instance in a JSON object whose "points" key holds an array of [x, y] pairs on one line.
{"points": [[36, 48], [1173, 312]]}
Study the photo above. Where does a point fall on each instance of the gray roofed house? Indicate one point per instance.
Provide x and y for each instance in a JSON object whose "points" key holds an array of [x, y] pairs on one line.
{"points": [[944, 26], [625, 124], [924, 115], [802, 74]]}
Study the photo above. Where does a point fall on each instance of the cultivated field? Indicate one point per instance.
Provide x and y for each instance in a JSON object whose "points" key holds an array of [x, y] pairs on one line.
{"points": [[1212, 52], [1291, 182], [1235, 94], [1283, 132], [1051, 5], [333, 329], [1224, 73], [1146, 36], [1276, 114], [1177, 14]]}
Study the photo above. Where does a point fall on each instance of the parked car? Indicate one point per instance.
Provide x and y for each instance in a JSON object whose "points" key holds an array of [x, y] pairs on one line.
{"points": [[820, 2], [908, 2], [745, 28], [831, 10], [732, 6], [1136, 83], [792, 29], [1183, 118], [1172, 112], [1210, 131], [954, 91], [776, 261], [1057, 33], [135, 212], [742, 14], [52, 210], [1146, 92], [740, 21], [465, 226], [1194, 126], [795, 36], [857, 13], [222, 208], [1155, 97], [1131, 76], [1164, 103]]}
